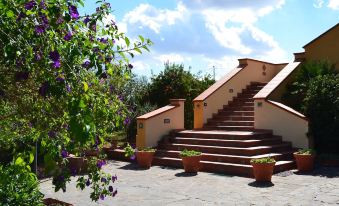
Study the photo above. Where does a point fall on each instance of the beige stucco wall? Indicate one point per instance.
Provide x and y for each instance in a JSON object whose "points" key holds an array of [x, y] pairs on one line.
{"points": [[326, 47], [253, 72], [154, 127], [291, 127]]}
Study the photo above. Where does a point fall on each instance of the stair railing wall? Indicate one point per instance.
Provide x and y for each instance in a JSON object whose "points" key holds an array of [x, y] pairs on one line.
{"points": [[224, 90], [270, 113], [151, 127]]}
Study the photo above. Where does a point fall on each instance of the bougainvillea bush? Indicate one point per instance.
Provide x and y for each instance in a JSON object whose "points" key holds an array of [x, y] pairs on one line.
{"points": [[59, 77]]}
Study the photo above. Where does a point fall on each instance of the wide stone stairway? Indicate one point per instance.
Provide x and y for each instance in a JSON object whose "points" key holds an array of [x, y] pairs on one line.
{"points": [[229, 141]]}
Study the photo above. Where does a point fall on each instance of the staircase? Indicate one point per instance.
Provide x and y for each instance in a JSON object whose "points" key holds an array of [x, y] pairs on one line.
{"points": [[229, 141]]}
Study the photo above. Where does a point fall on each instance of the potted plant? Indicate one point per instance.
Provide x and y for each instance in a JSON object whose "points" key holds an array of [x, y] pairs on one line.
{"points": [[77, 164], [191, 160], [144, 156], [305, 159], [263, 169]]}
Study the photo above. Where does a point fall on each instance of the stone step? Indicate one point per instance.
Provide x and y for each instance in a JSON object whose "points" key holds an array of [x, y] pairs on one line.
{"points": [[237, 108], [235, 113], [226, 142], [228, 128], [236, 159], [231, 118], [221, 167], [230, 123], [238, 104], [230, 135], [248, 151]]}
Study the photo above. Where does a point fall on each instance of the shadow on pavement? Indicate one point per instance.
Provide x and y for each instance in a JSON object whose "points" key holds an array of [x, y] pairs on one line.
{"points": [[185, 174], [261, 184], [132, 166], [329, 172]]}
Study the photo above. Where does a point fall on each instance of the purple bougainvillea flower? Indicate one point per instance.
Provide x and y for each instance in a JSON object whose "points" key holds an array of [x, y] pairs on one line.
{"points": [[115, 193], [127, 121], [44, 19], [88, 182], [110, 188], [55, 57], [86, 64], [130, 66], [74, 172], [29, 5], [44, 89], [64, 153], [39, 29], [104, 180], [73, 11], [60, 20], [102, 196], [68, 88], [133, 157], [56, 64], [114, 178], [68, 36], [42, 4], [99, 164], [60, 79], [86, 20], [104, 40]]}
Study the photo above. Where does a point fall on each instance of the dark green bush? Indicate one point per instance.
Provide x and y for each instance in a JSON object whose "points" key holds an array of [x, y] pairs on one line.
{"points": [[321, 106], [296, 91]]}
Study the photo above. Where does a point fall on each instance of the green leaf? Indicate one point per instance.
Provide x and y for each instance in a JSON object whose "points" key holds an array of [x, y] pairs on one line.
{"points": [[127, 41], [138, 50], [85, 86], [19, 161], [10, 13], [141, 38], [31, 157]]}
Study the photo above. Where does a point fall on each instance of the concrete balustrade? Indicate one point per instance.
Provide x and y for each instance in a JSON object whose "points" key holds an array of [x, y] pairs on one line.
{"points": [[270, 113], [151, 127], [224, 90]]}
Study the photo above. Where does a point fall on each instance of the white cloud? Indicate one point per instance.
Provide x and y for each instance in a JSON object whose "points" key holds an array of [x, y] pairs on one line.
{"points": [[172, 57], [318, 3], [140, 66], [154, 18], [333, 4], [204, 33]]}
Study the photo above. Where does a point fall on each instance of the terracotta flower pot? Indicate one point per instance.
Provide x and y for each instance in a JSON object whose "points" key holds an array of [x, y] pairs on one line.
{"points": [[304, 162], [263, 171], [92, 153], [145, 158], [77, 164], [191, 164]]}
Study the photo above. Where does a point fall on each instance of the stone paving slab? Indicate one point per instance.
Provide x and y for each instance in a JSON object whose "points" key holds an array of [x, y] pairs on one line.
{"points": [[169, 186]]}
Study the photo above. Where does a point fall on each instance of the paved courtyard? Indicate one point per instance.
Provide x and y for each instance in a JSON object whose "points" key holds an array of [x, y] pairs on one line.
{"points": [[168, 186]]}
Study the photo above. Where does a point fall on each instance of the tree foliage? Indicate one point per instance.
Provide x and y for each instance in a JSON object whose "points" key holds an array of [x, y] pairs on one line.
{"points": [[175, 82], [321, 106], [60, 77], [296, 91]]}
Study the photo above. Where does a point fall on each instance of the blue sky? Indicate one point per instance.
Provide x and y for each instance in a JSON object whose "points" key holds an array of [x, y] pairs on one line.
{"points": [[206, 33]]}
